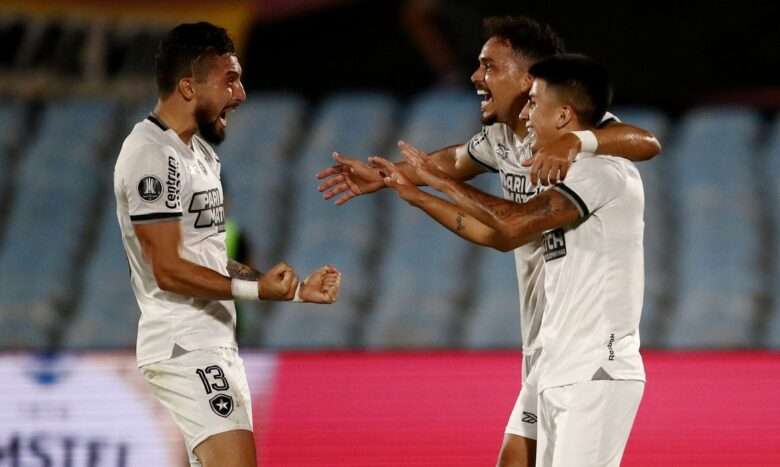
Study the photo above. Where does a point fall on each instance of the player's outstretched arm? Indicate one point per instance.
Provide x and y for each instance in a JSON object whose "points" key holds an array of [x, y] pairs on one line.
{"points": [[447, 214], [321, 286], [161, 241], [551, 162], [350, 177], [519, 223]]}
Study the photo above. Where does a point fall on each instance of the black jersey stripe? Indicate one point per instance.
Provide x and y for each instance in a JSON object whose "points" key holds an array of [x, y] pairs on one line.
{"points": [[153, 118], [476, 159], [154, 216], [574, 198]]}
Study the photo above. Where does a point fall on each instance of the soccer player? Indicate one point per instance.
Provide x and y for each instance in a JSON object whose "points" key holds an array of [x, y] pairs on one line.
{"points": [[513, 45], [589, 373], [170, 211]]}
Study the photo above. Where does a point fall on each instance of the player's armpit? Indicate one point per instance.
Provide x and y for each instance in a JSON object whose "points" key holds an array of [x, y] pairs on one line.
{"points": [[627, 141], [160, 242]]}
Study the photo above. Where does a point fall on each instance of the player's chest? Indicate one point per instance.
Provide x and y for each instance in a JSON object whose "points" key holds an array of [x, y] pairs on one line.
{"points": [[202, 197]]}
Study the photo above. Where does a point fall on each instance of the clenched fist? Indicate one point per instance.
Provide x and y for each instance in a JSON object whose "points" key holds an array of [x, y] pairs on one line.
{"points": [[279, 283], [322, 286]]}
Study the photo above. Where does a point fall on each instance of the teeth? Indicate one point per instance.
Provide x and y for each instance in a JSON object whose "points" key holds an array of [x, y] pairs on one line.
{"points": [[482, 92]]}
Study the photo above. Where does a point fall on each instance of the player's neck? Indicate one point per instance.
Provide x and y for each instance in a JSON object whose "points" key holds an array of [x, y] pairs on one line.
{"points": [[177, 119], [518, 126]]}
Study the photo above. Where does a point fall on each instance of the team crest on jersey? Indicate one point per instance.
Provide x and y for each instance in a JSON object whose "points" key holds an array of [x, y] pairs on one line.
{"points": [[150, 188], [554, 243], [222, 405]]}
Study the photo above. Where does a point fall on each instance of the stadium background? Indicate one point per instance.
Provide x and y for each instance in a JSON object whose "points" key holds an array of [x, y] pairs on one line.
{"points": [[411, 367]]}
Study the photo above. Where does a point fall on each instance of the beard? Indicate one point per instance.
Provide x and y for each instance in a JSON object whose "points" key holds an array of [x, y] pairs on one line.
{"points": [[208, 127], [488, 119]]}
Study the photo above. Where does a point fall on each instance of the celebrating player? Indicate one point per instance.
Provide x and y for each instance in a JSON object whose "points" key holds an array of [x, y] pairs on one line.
{"points": [[513, 45], [170, 211], [588, 369]]}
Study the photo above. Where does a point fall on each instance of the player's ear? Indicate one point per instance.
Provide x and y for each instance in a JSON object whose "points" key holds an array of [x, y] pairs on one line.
{"points": [[186, 89], [564, 116], [526, 82]]}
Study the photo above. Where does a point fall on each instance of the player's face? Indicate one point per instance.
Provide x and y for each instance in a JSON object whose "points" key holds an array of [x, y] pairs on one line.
{"points": [[499, 81], [544, 113], [219, 94]]}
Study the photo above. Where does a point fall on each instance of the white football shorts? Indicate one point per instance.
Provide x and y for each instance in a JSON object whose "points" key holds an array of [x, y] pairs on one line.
{"points": [[205, 391], [524, 416], [586, 424]]}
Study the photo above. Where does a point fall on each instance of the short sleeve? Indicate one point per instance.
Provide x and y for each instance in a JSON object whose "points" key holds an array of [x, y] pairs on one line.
{"points": [[151, 179], [608, 118], [592, 182], [481, 150]]}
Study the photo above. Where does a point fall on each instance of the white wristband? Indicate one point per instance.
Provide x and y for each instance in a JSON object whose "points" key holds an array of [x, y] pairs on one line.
{"points": [[588, 140], [245, 290], [297, 298]]}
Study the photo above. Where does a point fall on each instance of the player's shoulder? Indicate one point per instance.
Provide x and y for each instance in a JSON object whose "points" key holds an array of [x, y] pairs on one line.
{"points": [[145, 143]]}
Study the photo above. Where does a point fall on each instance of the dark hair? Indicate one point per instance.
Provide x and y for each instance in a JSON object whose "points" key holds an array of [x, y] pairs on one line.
{"points": [[185, 45], [582, 81], [533, 39]]}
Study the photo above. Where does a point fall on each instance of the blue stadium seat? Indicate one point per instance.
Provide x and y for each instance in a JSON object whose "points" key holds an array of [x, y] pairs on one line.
{"points": [[422, 272], [307, 326], [719, 234], [771, 191], [658, 240], [108, 315], [495, 322], [11, 120], [52, 210], [255, 163], [353, 124]]}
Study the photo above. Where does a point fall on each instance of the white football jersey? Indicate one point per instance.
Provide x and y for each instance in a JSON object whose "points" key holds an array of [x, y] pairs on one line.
{"points": [[499, 149], [594, 278], [158, 178]]}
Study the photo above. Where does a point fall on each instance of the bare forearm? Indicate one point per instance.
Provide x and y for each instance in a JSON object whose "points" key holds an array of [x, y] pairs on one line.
{"points": [[445, 159], [627, 141], [192, 280], [488, 209], [458, 222]]}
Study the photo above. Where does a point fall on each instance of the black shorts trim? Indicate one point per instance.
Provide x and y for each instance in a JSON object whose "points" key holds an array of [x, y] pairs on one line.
{"points": [[574, 198]]}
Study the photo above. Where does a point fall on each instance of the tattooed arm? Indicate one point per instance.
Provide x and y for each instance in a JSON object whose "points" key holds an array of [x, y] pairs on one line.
{"points": [[445, 213], [237, 270], [521, 223]]}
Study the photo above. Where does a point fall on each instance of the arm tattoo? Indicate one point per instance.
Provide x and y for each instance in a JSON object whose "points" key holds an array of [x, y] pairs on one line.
{"points": [[459, 221], [237, 270]]}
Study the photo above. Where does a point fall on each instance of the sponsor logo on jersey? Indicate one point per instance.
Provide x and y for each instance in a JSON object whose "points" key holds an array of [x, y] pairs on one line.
{"points": [[554, 243], [609, 346], [49, 448], [209, 207], [222, 405], [173, 184], [528, 417], [150, 188], [518, 188]]}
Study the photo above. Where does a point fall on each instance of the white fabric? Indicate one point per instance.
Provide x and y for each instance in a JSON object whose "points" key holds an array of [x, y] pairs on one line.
{"points": [[588, 141], [586, 424], [245, 290], [157, 178], [178, 386], [523, 420], [594, 278]]}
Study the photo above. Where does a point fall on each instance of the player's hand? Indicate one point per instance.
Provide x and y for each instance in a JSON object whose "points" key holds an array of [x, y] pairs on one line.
{"points": [[322, 286], [350, 177], [552, 161], [279, 283], [424, 165], [393, 178]]}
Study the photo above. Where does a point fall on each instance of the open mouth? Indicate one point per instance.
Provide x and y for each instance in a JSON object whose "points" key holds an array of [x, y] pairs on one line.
{"points": [[222, 119], [487, 98]]}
